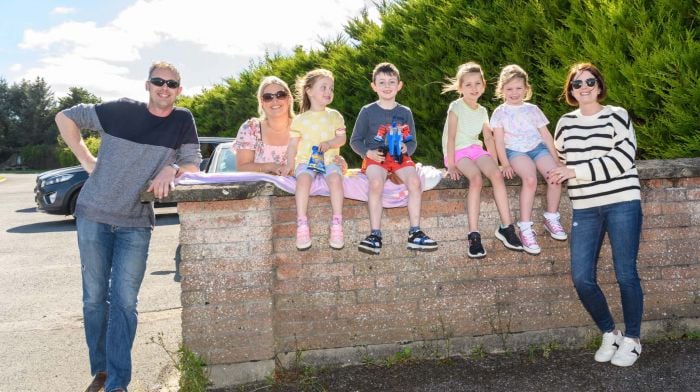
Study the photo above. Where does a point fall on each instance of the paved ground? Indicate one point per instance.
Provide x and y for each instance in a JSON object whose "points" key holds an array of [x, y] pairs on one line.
{"points": [[41, 331], [670, 366]]}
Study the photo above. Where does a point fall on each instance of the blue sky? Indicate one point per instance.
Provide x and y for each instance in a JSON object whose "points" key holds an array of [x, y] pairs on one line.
{"points": [[107, 46]]}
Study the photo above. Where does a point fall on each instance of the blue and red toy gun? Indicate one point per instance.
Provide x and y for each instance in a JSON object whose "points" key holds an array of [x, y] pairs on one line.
{"points": [[394, 137]]}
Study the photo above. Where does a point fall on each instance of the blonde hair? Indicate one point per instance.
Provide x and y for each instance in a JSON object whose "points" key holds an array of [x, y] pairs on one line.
{"points": [[268, 80], [508, 73], [453, 84], [163, 65], [307, 81]]}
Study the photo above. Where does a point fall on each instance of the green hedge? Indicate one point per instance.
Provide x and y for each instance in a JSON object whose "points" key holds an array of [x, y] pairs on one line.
{"points": [[39, 156], [648, 51], [65, 155]]}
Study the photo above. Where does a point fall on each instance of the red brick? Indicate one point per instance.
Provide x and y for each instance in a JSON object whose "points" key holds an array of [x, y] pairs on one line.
{"points": [[305, 315], [356, 282], [370, 311], [681, 272], [688, 182], [313, 300], [315, 285]]}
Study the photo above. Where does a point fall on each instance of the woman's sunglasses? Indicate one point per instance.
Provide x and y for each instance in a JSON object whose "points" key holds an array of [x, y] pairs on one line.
{"points": [[160, 82], [268, 97], [578, 83]]}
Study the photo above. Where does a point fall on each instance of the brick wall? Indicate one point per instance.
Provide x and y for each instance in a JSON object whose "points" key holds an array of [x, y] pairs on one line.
{"points": [[248, 294]]}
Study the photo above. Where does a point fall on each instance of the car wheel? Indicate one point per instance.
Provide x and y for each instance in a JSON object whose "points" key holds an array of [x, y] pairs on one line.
{"points": [[71, 205]]}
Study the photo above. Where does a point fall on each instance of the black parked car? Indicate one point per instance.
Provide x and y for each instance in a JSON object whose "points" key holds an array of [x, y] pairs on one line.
{"points": [[57, 190]]}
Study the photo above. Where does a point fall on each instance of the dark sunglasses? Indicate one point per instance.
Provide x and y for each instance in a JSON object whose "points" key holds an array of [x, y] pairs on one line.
{"points": [[578, 83], [160, 82], [268, 97]]}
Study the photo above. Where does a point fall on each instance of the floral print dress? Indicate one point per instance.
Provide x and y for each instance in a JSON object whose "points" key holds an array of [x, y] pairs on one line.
{"points": [[249, 137]]}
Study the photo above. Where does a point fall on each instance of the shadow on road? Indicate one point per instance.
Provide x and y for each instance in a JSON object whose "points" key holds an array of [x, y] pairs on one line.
{"points": [[44, 227], [167, 219], [32, 209]]}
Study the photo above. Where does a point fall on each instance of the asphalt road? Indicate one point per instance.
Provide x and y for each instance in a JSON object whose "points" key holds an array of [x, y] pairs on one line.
{"points": [[42, 345]]}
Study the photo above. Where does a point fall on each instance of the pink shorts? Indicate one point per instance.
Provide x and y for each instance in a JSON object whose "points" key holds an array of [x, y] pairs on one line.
{"points": [[472, 152]]}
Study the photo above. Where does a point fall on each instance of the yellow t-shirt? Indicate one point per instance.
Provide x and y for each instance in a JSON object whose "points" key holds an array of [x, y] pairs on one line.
{"points": [[316, 127], [469, 125]]}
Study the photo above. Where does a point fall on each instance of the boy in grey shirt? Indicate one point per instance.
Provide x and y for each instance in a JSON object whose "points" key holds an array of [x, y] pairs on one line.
{"points": [[368, 140]]}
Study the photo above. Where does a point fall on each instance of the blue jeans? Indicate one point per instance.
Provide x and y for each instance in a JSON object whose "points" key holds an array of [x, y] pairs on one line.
{"points": [[113, 263], [536, 153], [623, 223]]}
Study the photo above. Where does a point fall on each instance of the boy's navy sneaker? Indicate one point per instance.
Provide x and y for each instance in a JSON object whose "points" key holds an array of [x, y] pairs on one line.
{"points": [[372, 244], [419, 241], [509, 238], [476, 250]]}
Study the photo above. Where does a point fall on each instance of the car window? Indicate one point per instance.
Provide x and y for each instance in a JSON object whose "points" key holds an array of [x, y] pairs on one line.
{"points": [[227, 163], [207, 149]]}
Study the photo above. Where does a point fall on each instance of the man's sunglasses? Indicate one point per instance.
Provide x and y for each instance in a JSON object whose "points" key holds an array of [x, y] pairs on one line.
{"points": [[578, 83], [160, 82], [268, 97]]}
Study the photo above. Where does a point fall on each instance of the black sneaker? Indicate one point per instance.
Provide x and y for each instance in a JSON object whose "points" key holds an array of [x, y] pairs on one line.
{"points": [[476, 250], [419, 241], [372, 244], [509, 238]]}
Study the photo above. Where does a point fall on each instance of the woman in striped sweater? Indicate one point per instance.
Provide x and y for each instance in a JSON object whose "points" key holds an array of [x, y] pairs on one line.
{"points": [[597, 144]]}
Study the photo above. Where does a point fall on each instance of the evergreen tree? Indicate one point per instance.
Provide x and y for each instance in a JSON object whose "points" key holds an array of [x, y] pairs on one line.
{"points": [[648, 51]]}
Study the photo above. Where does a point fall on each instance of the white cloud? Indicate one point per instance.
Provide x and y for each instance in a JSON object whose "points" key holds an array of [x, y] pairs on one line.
{"points": [[16, 67], [63, 10], [229, 34]]}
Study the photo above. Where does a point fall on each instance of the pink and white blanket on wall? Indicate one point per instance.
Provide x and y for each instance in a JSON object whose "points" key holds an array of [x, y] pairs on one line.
{"points": [[355, 184]]}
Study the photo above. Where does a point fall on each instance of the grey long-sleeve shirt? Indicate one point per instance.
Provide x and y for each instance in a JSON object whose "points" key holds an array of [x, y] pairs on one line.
{"points": [[371, 118], [135, 146]]}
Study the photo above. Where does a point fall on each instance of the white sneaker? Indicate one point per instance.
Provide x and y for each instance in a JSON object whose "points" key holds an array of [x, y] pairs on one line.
{"points": [[611, 343], [628, 353]]}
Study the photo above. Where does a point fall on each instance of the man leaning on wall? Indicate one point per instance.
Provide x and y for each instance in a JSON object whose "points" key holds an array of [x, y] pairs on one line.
{"points": [[140, 142]]}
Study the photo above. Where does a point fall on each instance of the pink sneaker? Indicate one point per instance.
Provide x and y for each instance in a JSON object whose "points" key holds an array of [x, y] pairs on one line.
{"points": [[337, 239], [556, 231], [529, 240], [303, 237]]}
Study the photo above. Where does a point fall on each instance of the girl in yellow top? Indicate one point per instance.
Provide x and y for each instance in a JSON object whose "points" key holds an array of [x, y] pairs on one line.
{"points": [[465, 155], [324, 128]]}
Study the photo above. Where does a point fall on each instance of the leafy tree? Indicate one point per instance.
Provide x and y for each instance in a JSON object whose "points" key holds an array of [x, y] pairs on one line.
{"points": [[76, 95], [27, 111], [4, 120], [30, 110]]}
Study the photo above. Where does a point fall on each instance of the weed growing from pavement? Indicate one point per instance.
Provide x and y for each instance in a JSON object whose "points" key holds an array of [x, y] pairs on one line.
{"points": [[593, 343], [298, 373], [500, 321], [402, 356], [193, 374], [478, 352]]}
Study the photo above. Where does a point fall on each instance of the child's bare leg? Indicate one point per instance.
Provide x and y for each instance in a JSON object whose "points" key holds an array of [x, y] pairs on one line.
{"points": [[335, 186], [545, 164], [301, 194], [376, 176], [525, 169], [409, 176], [500, 194], [470, 170]]}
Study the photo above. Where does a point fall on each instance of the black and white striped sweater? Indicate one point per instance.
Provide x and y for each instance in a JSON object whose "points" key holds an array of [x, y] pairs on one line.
{"points": [[601, 149]]}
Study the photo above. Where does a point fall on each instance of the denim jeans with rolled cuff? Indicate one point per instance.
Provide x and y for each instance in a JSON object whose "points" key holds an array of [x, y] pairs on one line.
{"points": [[113, 263], [623, 224]]}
